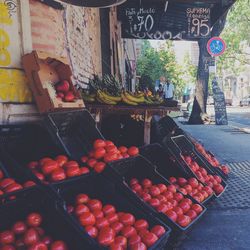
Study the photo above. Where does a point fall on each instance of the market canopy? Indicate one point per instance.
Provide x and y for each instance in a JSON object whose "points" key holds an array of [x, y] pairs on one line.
{"points": [[173, 19]]}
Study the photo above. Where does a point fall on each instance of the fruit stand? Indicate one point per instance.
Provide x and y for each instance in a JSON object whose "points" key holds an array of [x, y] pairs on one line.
{"points": [[147, 112]]}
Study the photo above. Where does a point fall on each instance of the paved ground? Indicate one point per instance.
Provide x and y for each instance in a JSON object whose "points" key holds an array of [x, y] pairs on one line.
{"points": [[226, 225]]}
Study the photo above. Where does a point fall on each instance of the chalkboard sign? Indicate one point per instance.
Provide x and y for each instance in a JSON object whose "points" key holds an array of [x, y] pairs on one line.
{"points": [[219, 105], [164, 21]]}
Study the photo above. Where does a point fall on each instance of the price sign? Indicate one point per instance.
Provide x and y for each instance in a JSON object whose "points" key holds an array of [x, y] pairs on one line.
{"points": [[216, 46]]}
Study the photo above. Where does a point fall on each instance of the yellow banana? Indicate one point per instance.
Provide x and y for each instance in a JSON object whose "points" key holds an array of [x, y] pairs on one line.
{"points": [[110, 97], [125, 100], [104, 100], [133, 98]]}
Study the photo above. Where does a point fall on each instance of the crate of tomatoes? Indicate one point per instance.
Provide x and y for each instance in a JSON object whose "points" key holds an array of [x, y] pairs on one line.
{"points": [[169, 168], [182, 152], [101, 211], [152, 192], [34, 222]]}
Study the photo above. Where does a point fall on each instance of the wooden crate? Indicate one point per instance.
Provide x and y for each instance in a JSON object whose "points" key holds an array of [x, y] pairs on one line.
{"points": [[43, 72]]}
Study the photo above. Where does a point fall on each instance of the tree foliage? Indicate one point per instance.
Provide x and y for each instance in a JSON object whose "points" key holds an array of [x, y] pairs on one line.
{"points": [[237, 37]]}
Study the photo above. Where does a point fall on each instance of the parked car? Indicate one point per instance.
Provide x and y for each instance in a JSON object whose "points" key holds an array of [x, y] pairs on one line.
{"points": [[245, 101]]}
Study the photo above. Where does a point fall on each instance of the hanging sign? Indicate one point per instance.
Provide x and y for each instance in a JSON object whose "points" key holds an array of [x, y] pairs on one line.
{"points": [[164, 21], [216, 46]]}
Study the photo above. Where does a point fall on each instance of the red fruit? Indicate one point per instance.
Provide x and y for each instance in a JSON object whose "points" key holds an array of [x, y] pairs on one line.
{"points": [[47, 240], [158, 230], [7, 237], [72, 171], [13, 187], [188, 188], [34, 220], [19, 228], [58, 175], [208, 189], [108, 209], [112, 218], [99, 153], [44, 160], [112, 149], [128, 231], [99, 143], [184, 205], [122, 241], [137, 187], [188, 159], [82, 199], [28, 184], [91, 231], [6, 182], [87, 219], [171, 188], [83, 170], [139, 246], [80, 209], [106, 236], [63, 86], [58, 245], [178, 196], [197, 208], [178, 211], [31, 165], [141, 224], [149, 239], [115, 246], [117, 227], [183, 191], [162, 187], [146, 197], [123, 149], [225, 169], [110, 157], [173, 202], [146, 183], [38, 246], [127, 219], [8, 247], [218, 189], [162, 208], [39, 176], [192, 214], [98, 214], [168, 195], [69, 97], [172, 180], [135, 239], [84, 159], [49, 167], [99, 167], [154, 191], [193, 182], [182, 181], [218, 178], [189, 201], [61, 160], [133, 151], [31, 237], [94, 205], [183, 220], [161, 198], [91, 163], [172, 215], [154, 202], [101, 223], [133, 181]]}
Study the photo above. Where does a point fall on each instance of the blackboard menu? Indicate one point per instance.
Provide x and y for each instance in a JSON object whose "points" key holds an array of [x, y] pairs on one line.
{"points": [[164, 21], [219, 105]]}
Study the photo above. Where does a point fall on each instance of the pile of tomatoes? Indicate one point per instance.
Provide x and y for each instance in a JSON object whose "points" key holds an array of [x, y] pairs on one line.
{"points": [[211, 159], [104, 152], [213, 181], [9, 185], [192, 187], [57, 169], [165, 199], [113, 229], [29, 235]]}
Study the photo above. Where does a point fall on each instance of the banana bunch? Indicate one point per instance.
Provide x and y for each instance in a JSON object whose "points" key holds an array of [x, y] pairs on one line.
{"points": [[88, 97], [106, 98], [132, 99]]}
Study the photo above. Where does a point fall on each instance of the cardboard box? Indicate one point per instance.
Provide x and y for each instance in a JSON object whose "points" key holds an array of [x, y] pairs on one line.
{"points": [[44, 71]]}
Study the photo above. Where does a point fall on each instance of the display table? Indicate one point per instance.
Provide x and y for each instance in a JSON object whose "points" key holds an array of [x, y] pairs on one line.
{"points": [[146, 111]]}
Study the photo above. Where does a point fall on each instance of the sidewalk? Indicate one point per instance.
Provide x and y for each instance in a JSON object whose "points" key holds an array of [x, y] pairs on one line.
{"points": [[226, 225]]}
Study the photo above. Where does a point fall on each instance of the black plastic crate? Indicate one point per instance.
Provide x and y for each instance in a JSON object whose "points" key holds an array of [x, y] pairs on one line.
{"points": [[56, 222], [178, 146], [22, 144], [122, 172], [75, 131], [98, 187], [165, 164]]}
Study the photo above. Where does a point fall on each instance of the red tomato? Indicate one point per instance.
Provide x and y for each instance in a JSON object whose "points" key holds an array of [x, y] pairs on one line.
{"points": [[128, 231], [122, 241], [91, 162], [19, 227], [218, 189], [123, 149], [1, 192], [1, 174], [171, 188], [135, 239], [112, 149], [91, 231], [154, 191], [109, 143], [99, 153], [146, 183], [183, 191], [133, 181], [178, 211], [58, 245], [127, 219], [204, 193], [71, 164], [146, 197], [39, 176], [106, 236], [188, 201], [162, 208], [161, 198], [168, 195], [38, 246], [141, 224], [32, 165], [44, 160], [112, 218], [182, 181], [178, 196], [139, 246], [162, 187], [184, 205], [13, 187], [80, 209], [87, 219], [31, 237], [172, 215], [149, 239], [137, 187], [7, 237], [173, 202], [49, 167], [110, 157], [6, 182], [143, 232], [172, 180], [82, 199], [154, 202], [125, 155], [61, 160], [183, 220], [72, 171], [99, 167], [208, 190], [47, 240], [99, 143], [8, 247], [34, 220], [84, 159], [28, 184], [133, 151], [117, 227], [193, 182], [192, 214], [94, 205], [108, 209], [101, 223], [58, 175], [98, 214], [158, 230], [188, 188], [115, 246], [83, 170]]}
